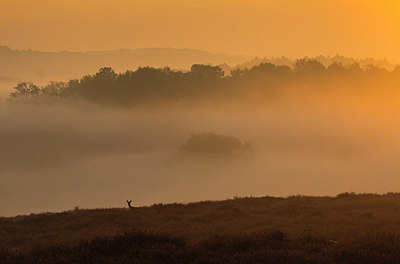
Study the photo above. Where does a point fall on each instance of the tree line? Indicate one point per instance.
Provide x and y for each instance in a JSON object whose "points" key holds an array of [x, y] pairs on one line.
{"points": [[147, 84]]}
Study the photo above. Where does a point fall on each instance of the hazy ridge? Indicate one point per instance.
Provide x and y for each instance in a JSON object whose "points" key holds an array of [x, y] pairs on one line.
{"points": [[42, 66], [39, 65]]}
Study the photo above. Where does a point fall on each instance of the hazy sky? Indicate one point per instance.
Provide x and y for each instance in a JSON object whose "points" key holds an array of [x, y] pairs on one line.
{"points": [[256, 27]]}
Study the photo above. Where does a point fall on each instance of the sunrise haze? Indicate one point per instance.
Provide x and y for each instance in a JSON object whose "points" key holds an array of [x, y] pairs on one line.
{"points": [[199, 131], [367, 28]]}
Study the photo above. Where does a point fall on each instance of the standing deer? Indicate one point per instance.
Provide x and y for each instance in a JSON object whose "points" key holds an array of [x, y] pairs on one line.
{"points": [[129, 204]]}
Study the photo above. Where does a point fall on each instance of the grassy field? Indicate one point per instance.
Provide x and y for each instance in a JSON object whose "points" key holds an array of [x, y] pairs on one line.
{"points": [[348, 228]]}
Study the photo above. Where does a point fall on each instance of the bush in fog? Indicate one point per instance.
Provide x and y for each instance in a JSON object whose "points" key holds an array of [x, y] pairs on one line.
{"points": [[213, 144]]}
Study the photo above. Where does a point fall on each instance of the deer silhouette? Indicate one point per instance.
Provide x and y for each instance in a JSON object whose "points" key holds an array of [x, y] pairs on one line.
{"points": [[129, 204]]}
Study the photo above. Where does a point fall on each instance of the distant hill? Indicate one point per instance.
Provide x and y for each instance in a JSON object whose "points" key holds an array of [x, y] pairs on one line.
{"points": [[43, 66]]}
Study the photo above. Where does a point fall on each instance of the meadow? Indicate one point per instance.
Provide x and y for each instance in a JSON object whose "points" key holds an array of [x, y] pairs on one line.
{"points": [[348, 228]]}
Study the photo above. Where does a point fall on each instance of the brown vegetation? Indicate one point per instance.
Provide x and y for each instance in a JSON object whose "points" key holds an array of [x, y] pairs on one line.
{"points": [[348, 228]]}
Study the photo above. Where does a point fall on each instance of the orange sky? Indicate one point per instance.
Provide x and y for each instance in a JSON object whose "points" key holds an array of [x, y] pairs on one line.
{"points": [[357, 28]]}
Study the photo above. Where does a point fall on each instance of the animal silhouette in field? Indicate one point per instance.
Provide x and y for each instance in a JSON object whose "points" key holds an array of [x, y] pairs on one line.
{"points": [[129, 204]]}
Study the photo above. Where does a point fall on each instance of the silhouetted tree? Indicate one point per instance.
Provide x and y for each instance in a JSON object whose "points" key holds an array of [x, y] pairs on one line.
{"points": [[308, 66], [105, 74], [25, 89], [336, 68], [354, 68], [148, 84], [239, 73], [54, 90], [206, 71]]}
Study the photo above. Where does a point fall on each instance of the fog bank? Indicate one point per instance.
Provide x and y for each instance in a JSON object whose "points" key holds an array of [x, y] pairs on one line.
{"points": [[54, 158]]}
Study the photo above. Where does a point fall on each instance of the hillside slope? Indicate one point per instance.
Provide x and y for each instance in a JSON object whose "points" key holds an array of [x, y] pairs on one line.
{"points": [[340, 218]]}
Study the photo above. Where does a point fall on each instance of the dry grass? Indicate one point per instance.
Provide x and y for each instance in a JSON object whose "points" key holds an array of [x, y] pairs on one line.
{"points": [[334, 229]]}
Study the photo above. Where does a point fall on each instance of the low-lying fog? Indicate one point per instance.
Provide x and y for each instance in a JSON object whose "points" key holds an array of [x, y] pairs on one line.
{"points": [[57, 157]]}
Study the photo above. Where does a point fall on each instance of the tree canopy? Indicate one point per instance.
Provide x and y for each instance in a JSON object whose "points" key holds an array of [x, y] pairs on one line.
{"points": [[147, 84]]}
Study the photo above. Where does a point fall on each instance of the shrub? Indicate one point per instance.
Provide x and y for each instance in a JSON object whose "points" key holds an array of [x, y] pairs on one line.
{"points": [[214, 144]]}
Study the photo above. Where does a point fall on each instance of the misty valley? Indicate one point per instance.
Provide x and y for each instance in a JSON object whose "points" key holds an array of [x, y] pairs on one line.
{"points": [[199, 132], [157, 135]]}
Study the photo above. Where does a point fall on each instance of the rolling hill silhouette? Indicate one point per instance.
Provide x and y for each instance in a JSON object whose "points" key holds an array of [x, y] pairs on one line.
{"points": [[44, 66]]}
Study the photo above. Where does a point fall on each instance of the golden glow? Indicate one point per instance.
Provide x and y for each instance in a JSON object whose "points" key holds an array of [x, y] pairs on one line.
{"points": [[257, 27]]}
